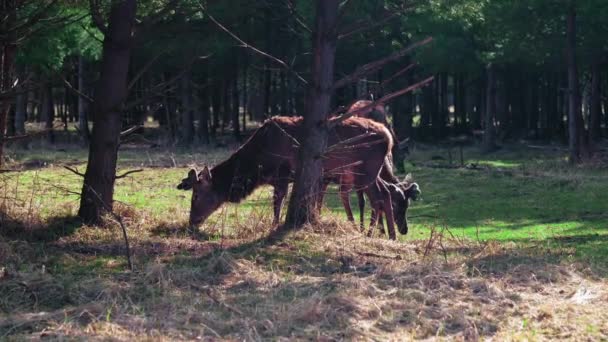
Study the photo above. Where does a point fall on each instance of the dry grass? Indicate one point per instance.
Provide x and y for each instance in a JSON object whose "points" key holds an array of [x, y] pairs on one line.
{"points": [[60, 280], [324, 283]]}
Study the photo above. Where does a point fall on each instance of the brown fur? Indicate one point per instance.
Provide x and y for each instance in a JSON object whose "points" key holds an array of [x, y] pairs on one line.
{"points": [[269, 156]]}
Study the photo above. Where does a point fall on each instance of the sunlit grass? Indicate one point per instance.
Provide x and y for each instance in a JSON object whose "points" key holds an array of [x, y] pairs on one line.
{"points": [[514, 195]]}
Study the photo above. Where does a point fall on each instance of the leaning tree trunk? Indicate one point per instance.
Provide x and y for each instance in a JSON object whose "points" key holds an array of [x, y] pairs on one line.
{"points": [[489, 135], [302, 206], [98, 189], [574, 107]]}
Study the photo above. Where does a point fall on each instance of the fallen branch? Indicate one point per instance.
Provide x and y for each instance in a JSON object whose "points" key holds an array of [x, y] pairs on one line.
{"points": [[29, 135], [130, 131]]}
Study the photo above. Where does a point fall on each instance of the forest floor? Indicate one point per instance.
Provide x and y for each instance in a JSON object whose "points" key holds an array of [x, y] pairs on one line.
{"points": [[510, 245]]}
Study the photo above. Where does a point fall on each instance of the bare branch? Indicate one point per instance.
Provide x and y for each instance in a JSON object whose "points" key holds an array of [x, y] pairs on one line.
{"points": [[336, 120], [76, 91], [27, 136], [395, 75], [360, 27], [91, 34], [74, 170], [254, 49], [97, 17], [153, 19], [143, 70], [128, 173], [375, 65], [292, 9], [164, 86], [129, 131]]}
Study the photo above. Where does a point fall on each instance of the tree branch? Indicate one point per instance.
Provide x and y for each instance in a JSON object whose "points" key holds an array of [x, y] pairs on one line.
{"points": [[375, 65], [74, 170], [130, 131], [333, 122], [128, 173], [76, 91], [359, 27], [395, 75], [292, 9], [143, 70], [254, 49], [97, 17]]}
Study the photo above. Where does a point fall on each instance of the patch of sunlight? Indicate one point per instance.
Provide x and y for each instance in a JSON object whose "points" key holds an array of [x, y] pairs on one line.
{"points": [[499, 163]]}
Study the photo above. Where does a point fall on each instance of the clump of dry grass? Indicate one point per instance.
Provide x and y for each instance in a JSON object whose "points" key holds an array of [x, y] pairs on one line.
{"points": [[326, 281]]}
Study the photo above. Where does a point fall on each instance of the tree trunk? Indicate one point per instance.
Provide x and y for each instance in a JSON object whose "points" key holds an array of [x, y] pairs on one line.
{"points": [[98, 189], [489, 135], [574, 101], [83, 122], [187, 124], [20, 111], [595, 112], [236, 129], [203, 126], [48, 111], [216, 98], [302, 206]]}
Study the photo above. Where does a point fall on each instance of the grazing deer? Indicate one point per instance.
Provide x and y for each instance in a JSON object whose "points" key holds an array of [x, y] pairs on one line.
{"points": [[356, 151], [378, 114], [400, 192]]}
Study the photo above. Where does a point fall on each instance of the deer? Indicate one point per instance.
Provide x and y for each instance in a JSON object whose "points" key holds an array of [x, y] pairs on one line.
{"points": [[401, 191], [357, 148]]}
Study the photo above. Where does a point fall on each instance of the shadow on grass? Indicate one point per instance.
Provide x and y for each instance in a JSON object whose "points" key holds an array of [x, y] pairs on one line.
{"points": [[53, 229]]}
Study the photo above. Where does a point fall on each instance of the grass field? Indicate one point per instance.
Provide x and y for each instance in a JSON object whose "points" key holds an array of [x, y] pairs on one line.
{"points": [[514, 245]]}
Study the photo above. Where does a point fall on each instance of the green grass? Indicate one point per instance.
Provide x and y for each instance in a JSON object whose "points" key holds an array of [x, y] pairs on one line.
{"points": [[513, 195]]}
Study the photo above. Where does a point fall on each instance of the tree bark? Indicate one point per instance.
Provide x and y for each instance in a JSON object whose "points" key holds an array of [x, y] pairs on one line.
{"points": [[48, 110], [203, 126], [302, 206], [236, 129], [574, 100], [83, 122], [98, 189], [20, 111], [187, 124], [595, 112], [489, 135]]}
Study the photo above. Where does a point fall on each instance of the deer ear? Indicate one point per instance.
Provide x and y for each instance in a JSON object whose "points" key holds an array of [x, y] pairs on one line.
{"points": [[205, 175], [192, 175]]}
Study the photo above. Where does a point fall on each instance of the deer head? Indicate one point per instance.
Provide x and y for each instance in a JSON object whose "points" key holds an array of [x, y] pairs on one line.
{"points": [[401, 193], [204, 199]]}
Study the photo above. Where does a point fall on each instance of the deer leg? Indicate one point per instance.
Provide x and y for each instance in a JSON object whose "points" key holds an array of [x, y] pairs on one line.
{"points": [[381, 224], [321, 195], [280, 190], [373, 221], [381, 201], [345, 197], [361, 199]]}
